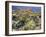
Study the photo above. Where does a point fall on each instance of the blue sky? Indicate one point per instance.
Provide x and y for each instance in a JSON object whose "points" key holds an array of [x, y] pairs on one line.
{"points": [[34, 9]]}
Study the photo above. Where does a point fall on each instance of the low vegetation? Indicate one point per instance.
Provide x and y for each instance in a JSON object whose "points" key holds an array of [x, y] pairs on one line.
{"points": [[25, 20]]}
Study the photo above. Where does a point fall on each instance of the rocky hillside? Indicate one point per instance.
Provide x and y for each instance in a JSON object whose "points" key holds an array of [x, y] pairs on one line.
{"points": [[26, 20]]}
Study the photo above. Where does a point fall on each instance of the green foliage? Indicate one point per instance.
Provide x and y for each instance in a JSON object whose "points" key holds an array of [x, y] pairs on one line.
{"points": [[27, 20]]}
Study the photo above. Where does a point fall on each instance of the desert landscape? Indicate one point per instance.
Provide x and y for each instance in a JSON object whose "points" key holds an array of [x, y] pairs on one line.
{"points": [[25, 19]]}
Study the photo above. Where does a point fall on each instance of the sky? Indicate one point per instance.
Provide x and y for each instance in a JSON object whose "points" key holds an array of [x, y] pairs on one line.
{"points": [[34, 9]]}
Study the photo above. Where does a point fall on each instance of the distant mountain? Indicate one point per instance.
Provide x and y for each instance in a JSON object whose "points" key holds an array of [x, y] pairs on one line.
{"points": [[33, 9]]}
